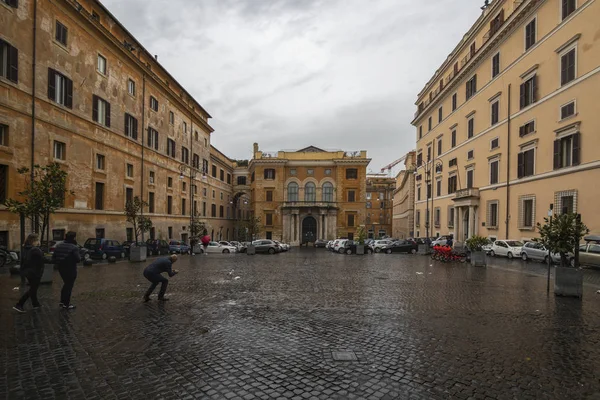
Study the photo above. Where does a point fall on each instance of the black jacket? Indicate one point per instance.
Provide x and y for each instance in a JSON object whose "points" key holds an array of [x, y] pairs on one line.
{"points": [[33, 262], [159, 266], [66, 256]]}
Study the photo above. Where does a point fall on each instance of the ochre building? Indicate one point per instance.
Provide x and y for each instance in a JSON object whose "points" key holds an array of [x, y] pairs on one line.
{"points": [[404, 200], [380, 193], [508, 124]]}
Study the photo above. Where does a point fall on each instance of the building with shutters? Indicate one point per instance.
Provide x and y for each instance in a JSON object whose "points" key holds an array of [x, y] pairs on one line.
{"points": [[308, 194], [380, 195], [403, 212], [507, 125], [113, 117]]}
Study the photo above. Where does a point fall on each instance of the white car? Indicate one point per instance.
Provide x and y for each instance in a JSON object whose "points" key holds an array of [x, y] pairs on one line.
{"points": [[215, 247], [284, 246], [339, 243], [536, 251], [378, 245], [441, 241], [507, 248]]}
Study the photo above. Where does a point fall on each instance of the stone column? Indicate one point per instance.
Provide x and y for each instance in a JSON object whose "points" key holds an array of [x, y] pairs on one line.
{"points": [[471, 220], [476, 220], [456, 224], [325, 218]]}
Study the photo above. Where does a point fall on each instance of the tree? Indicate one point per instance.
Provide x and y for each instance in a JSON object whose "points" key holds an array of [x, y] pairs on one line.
{"points": [[476, 243], [199, 228], [253, 227], [561, 235], [140, 223], [361, 234], [42, 196]]}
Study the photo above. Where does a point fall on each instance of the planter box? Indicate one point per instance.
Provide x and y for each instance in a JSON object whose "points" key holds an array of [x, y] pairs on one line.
{"points": [[197, 249], [423, 249], [251, 250], [48, 275], [360, 249], [478, 259], [568, 282], [138, 253]]}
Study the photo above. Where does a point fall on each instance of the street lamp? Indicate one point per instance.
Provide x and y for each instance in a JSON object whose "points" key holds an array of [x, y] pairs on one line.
{"points": [[428, 167]]}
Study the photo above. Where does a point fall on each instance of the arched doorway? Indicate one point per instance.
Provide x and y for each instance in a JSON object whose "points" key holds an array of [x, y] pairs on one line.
{"points": [[309, 230]]}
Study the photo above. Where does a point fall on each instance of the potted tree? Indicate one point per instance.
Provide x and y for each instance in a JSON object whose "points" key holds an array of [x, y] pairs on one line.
{"points": [[561, 236], [361, 235], [475, 245], [253, 228], [138, 251]]}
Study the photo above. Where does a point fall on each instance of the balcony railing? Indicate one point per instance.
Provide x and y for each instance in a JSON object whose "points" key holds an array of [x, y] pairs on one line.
{"points": [[300, 204], [466, 193]]}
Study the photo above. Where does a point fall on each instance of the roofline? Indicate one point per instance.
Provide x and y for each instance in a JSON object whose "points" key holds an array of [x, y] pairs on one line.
{"points": [[221, 153]]}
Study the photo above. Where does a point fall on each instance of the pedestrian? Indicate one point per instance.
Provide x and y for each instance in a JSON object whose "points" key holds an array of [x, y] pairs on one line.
{"points": [[66, 256], [153, 273], [449, 241], [32, 269], [205, 242]]}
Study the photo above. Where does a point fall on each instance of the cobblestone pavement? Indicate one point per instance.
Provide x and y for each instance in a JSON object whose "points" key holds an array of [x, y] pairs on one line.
{"points": [[307, 324]]}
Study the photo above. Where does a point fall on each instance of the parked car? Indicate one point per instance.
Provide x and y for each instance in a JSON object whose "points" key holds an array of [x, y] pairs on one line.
{"points": [[104, 248], [507, 248], [282, 246], [441, 241], [589, 254], [83, 252], [241, 247], [537, 252], [339, 243], [350, 248], [320, 243], [266, 246], [378, 245], [329, 244], [178, 246], [157, 247], [401, 246], [216, 247]]}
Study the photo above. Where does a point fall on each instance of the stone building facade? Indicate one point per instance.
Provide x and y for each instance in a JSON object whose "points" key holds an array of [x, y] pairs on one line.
{"points": [[507, 125], [95, 101], [379, 209], [404, 200], [308, 194]]}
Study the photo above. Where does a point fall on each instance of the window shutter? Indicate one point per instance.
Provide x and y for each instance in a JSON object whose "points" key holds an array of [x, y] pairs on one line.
{"points": [[156, 140], [522, 97], [135, 128], [565, 5], [108, 114], [474, 87], [13, 63], [127, 124], [149, 133], [51, 84], [576, 148], [557, 159], [95, 108], [69, 97], [564, 66], [534, 89], [520, 165]]}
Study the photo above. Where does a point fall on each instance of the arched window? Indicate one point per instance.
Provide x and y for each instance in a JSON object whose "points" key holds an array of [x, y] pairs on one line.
{"points": [[292, 191], [310, 192], [328, 192]]}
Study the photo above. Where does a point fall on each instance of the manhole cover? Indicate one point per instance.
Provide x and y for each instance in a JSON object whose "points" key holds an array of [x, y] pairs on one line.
{"points": [[344, 356]]}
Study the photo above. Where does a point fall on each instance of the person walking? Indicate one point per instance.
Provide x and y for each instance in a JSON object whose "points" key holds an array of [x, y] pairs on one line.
{"points": [[205, 242], [32, 270], [153, 273], [66, 256]]}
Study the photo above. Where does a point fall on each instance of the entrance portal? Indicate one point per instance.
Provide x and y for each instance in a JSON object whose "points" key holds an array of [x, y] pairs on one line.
{"points": [[309, 230]]}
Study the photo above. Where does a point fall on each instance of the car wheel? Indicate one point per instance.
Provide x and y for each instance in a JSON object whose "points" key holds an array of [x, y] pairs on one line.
{"points": [[349, 251], [510, 255], [388, 251], [86, 256], [377, 250], [413, 251], [492, 254], [369, 251], [524, 256], [122, 255], [104, 256], [271, 251], [225, 251], [546, 260]]}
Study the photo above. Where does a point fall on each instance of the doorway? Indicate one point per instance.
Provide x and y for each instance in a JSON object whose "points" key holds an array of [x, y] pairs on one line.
{"points": [[309, 230]]}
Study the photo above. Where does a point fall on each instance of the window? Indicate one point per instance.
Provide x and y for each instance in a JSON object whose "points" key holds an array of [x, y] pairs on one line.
{"points": [[453, 138], [100, 162], [184, 186], [131, 87], [369, 204], [419, 159], [60, 33], [420, 131], [567, 151], [452, 162], [454, 101], [12, 3], [470, 154], [153, 103], [3, 183], [429, 190], [171, 118], [437, 216], [495, 65], [369, 195], [171, 147], [185, 155], [99, 204], [327, 172], [204, 208], [214, 171], [310, 192], [527, 128], [101, 64], [169, 182], [214, 194], [183, 206], [471, 127], [252, 177], [418, 218], [153, 138], [429, 152], [151, 178], [492, 214], [440, 114], [568, 110], [129, 171], [530, 34], [528, 92], [418, 193], [196, 161], [169, 205], [350, 220], [269, 173], [293, 172], [472, 49], [101, 111], [60, 150], [222, 175], [327, 192], [310, 172], [229, 179], [131, 126], [205, 142], [494, 143], [205, 166], [439, 146], [351, 196], [494, 171], [568, 7], [429, 123], [185, 126], [60, 88], [450, 216], [438, 188], [566, 202], [292, 192], [213, 210], [3, 135], [568, 66], [526, 212], [351, 173], [495, 112], [526, 163], [196, 136], [9, 62], [471, 87], [470, 178], [269, 195], [241, 180], [269, 219], [151, 202]]}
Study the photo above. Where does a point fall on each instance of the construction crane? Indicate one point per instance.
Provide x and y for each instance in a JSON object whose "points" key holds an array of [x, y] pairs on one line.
{"points": [[392, 165]]}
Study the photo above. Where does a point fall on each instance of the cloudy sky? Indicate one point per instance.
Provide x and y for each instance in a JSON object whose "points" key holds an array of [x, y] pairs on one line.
{"points": [[337, 74]]}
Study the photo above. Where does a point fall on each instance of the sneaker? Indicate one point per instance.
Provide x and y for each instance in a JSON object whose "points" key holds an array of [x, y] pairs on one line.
{"points": [[61, 304], [163, 299], [146, 299], [69, 307], [19, 309]]}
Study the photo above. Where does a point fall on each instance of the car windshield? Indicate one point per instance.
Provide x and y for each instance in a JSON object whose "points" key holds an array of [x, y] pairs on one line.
{"points": [[514, 243]]}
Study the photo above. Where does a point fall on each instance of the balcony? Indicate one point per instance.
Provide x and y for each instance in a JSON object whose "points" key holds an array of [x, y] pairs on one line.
{"points": [[309, 204], [472, 193]]}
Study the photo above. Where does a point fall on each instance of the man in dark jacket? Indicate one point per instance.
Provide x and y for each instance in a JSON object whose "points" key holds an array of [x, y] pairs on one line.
{"points": [[32, 269], [153, 274], [66, 256]]}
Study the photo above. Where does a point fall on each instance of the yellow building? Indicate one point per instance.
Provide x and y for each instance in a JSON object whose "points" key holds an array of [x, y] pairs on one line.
{"points": [[507, 126], [308, 194], [403, 213], [380, 193]]}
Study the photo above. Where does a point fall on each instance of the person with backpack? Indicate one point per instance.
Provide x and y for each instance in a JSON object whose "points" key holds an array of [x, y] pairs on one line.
{"points": [[32, 269], [66, 256], [153, 273]]}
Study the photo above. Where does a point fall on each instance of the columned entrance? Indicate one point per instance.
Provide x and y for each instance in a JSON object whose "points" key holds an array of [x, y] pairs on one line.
{"points": [[466, 209], [306, 222], [309, 230]]}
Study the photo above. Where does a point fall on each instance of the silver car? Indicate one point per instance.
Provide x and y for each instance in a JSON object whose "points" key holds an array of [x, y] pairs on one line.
{"points": [[537, 252], [589, 255]]}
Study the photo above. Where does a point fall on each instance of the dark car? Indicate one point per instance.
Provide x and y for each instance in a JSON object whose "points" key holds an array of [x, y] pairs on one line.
{"points": [[320, 243], [266, 246], [350, 248], [401, 246], [83, 252], [129, 243], [157, 247], [104, 248], [178, 246]]}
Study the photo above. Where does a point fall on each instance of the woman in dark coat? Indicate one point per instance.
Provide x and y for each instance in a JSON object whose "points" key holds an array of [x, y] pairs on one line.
{"points": [[32, 269]]}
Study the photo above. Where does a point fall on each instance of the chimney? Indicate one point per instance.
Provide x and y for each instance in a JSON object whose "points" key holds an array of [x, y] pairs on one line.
{"points": [[255, 148], [156, 57]]}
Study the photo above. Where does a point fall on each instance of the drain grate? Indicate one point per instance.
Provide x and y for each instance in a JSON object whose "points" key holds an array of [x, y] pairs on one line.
{"points": [[344, 356]]}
